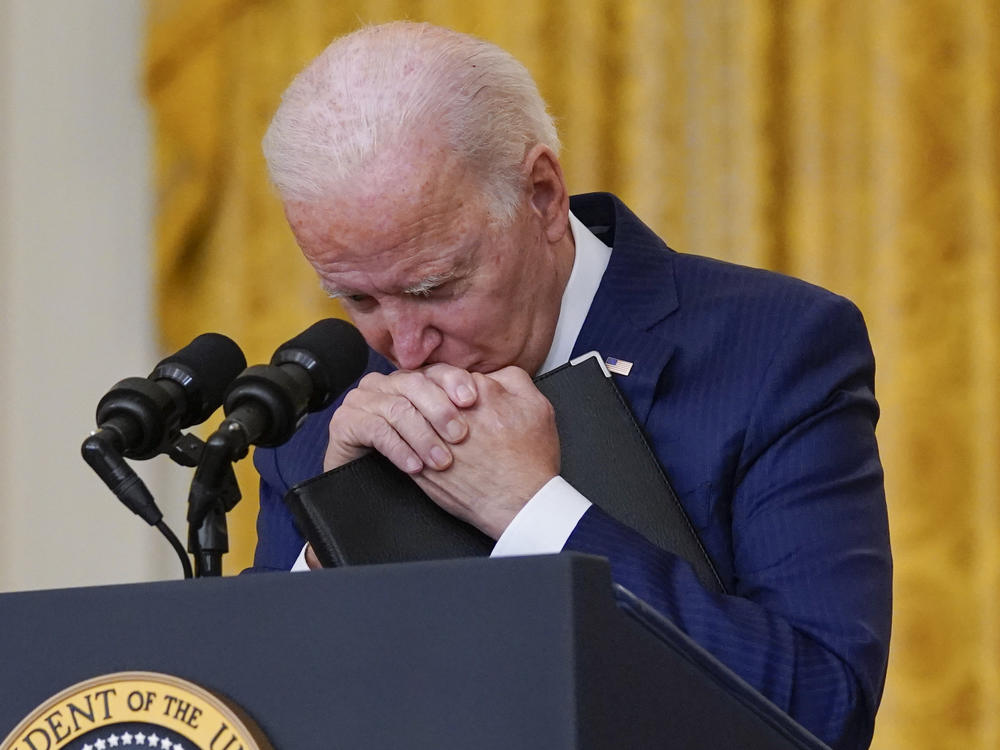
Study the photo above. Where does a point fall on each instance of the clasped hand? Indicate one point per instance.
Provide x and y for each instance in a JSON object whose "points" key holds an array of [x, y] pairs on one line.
{"points": [[479, 445]]}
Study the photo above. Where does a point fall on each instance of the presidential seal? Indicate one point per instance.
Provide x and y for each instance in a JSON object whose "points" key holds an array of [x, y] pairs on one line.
{"points": [[136, 711]]}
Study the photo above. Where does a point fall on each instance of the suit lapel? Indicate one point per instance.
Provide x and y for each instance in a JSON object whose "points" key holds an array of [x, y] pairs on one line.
{"points": [[636, 294]]}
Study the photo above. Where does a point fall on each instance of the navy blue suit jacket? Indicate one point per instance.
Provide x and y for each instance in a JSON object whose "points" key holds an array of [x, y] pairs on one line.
{"points": [[756, 391]]}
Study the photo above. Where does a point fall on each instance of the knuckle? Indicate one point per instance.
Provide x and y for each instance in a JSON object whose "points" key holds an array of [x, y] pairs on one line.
{"points": [[548, 410], [440, 415], [351, 400], [440, 370], [384, 438], [543, 405], [371, 382], [411, 378], [398, 409], [401, 377], [519, 378], [412, 385], [484, 383]]}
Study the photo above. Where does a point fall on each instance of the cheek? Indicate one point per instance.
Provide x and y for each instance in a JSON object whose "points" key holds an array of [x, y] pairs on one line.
{"points": [[483, 324], [374, 332], [456, 321]]}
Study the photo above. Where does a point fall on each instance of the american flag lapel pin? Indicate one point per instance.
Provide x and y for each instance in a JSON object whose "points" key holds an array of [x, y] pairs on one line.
{"points": [[618, 366]]}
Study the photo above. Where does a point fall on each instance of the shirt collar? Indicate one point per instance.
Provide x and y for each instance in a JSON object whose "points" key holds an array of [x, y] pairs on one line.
{"points": [[589, 263]]}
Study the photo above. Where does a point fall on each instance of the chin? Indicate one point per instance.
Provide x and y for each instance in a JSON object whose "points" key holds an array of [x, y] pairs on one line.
{"points": [[480, 367], [488, 367]]}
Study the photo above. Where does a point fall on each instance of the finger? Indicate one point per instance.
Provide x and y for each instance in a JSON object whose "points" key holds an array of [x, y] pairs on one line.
{"points": [[456, 382], [407, 416], [513, 379], [349, 441], [428, 391], [513, 382], [389, 424]]}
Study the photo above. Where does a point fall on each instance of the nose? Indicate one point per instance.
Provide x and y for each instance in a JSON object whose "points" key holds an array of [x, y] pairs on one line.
{"points": [[413, 338]]}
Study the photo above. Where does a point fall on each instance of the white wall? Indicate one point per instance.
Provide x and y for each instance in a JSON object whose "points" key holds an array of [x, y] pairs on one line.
{"points": [[75, 314]]}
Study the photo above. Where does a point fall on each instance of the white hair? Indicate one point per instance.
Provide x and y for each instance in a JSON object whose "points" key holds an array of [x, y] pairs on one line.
{"points": [[388, 86]]}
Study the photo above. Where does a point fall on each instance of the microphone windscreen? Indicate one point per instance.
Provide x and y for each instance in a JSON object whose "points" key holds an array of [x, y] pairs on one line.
{"points": [[204, 369], [332, 351]]}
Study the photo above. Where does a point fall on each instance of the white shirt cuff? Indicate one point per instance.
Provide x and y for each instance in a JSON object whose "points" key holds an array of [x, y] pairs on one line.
{"points": [[300, 563], [545, 523]]}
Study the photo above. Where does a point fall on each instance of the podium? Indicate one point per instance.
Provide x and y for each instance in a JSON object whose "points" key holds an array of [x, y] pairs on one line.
{"points": [[526, 653]]}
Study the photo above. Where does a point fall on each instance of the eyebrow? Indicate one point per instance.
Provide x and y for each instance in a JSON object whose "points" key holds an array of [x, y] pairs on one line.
{"points": [[420, 288], [424, 286], [333, 292]]}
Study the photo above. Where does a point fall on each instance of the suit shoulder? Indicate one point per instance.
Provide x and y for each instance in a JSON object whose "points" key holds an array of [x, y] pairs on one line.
{"points": [[704, 282]]}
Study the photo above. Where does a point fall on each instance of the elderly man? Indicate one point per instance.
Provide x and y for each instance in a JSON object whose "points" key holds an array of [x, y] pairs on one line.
{"points": [[419, 172]]}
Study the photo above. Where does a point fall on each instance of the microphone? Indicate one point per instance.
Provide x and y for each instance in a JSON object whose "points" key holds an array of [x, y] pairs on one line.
{"points": [[266, 403], [139, 416], [264, 406]]}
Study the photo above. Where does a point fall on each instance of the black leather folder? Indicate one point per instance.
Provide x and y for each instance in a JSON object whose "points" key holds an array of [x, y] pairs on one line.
{"points": [[368, 511]]}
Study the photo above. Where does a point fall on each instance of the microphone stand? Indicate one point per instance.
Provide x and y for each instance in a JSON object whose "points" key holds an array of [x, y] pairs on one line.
{"points": [[264, 405], [214, 492]]}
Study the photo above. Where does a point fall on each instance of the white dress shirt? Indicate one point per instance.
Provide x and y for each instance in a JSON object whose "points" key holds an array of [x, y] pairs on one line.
{"points": [[544, 524]]}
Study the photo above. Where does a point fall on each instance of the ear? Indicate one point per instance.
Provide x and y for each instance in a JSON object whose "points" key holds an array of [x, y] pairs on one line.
{"points": [[549, 196]]}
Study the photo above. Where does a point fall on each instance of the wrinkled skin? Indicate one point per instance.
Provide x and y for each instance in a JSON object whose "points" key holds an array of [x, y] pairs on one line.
{"points": [[465, 307]]}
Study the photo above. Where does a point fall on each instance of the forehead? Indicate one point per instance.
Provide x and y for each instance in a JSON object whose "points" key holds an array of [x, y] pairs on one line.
{"points": [[417, 217]]}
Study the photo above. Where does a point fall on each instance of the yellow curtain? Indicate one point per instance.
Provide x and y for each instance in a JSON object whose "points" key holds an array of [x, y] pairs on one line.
{"points": [[855, 144]]}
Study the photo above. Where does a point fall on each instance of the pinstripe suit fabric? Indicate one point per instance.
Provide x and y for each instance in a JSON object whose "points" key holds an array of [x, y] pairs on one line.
{"points": [[756, 391]]}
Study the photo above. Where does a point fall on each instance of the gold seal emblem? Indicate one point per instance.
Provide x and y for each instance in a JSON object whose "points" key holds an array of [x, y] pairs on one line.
{"points": [[136, 711]]}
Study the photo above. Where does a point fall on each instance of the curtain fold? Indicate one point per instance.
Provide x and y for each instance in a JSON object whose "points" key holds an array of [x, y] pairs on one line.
{"points": [[853, 144]]}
